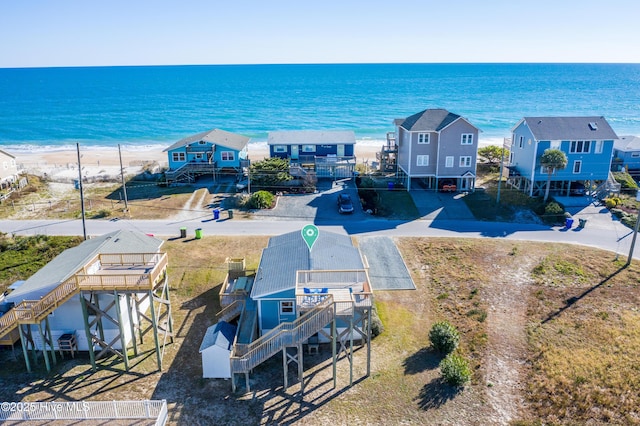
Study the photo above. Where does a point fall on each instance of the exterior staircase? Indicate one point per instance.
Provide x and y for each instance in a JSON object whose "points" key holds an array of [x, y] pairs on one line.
{"points": [[605, 189], [246, 357], [189, 171], [35, 311], [231, 311]]}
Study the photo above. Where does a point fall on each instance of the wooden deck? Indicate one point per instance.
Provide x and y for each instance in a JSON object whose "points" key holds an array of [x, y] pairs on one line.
{"points": [[136, 272]]}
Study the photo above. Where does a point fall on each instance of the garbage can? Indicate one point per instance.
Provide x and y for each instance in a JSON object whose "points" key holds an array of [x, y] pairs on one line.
{"points": [[230, 212], [568, 223], [216, 214], [582, 223], [390, 186], [183, 232], [198, 233]]}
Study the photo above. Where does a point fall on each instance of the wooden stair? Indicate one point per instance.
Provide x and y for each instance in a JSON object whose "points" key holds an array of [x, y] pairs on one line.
{"points": [[246, 357], [231, 311], [35, 311]]}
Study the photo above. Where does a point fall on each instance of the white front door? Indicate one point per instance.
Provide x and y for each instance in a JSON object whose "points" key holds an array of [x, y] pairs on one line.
{"points": [[340, 151], [294, 152]]}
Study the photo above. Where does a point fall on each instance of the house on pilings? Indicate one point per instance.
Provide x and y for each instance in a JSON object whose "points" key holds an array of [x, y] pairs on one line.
{"points": [[101, 296], [298, 297]]}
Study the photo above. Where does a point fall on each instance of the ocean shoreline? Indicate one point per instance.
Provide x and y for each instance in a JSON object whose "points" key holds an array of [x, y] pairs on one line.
{"points": [[21, 149]]}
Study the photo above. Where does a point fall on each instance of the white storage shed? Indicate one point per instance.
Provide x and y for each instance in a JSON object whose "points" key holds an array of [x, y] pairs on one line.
{"points": [[216, 349]]}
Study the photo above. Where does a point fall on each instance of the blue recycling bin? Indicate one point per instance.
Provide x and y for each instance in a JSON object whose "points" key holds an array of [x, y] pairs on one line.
{"points": [[216, 214], [568, 223], [390, 186]]}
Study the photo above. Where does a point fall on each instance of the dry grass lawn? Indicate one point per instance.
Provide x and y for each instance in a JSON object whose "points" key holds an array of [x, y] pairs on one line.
{"points": [[552, 333]]}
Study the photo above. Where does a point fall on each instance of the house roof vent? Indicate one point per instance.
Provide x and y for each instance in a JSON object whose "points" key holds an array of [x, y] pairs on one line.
{"points": [[593, 125]]}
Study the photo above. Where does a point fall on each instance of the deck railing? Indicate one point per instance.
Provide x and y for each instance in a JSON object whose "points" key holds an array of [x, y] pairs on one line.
{"points": [[87, 410], [34, 311], [246, 357], [191, 167]]}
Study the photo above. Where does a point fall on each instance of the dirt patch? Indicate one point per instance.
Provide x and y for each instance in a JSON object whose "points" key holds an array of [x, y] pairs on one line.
{"points": [[506, 353]]}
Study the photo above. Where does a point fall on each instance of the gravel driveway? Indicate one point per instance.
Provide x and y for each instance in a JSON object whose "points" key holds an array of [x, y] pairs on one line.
{"points": [[322, 205], [387, 270]]}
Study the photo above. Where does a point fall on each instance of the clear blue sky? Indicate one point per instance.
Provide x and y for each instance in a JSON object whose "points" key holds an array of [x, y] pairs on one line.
{"points": [[145, 32]]}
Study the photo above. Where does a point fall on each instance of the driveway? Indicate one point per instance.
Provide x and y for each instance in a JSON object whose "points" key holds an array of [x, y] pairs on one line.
{"points": [[387, 270], [433, 205], [322, 205]]}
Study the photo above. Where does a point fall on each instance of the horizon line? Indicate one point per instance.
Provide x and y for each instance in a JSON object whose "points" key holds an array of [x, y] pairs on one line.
{"points": [[312, 64]]}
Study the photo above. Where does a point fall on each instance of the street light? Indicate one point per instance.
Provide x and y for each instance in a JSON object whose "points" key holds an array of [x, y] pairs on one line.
{"points": [[635, 233]]}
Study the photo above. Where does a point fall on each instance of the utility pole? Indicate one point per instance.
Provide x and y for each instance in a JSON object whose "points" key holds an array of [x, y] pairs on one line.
{"points": [[504, 143], [124, 185], [249, 178], [84, 225], [635, 234]]}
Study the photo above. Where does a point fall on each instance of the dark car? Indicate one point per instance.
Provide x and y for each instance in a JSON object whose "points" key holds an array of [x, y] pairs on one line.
{"points": [[577, 189], [344, 204], [447, 185]]}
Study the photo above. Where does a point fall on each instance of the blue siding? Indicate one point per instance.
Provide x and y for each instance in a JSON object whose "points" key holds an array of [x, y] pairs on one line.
{"points": [[269, 314], [595, 166], [321, 150], [196, 150], [523, 157], [633, 163], [273, 153]]}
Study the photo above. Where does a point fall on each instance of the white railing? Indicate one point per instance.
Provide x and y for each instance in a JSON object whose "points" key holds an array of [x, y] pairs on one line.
{"points": [[247, 357], [86, 410]]}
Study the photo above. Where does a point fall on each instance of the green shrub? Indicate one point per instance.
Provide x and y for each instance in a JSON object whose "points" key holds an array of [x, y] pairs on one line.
{"points": [[261, 200], [625, 180], [553, 212], [376, 323], [617, 213], [629, 220], [444, 337], [611, 202], [455, 370]]}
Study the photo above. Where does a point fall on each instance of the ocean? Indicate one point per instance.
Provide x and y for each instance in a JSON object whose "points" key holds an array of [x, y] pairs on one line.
{"points": [[54, 108]]}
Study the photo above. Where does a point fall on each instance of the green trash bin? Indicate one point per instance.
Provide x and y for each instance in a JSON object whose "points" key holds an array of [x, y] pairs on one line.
{"points": [[230, 213], [198, 233], [183, 232]]}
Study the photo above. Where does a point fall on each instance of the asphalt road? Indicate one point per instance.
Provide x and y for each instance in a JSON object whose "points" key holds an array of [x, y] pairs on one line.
{"points": [[606, 234]]}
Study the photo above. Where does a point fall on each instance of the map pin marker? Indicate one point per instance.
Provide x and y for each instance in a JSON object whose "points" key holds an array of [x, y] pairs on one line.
{"points": [[310, 235]]}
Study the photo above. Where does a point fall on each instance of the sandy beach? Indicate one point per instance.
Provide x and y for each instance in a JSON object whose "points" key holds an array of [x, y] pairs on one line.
{"points": [[104, 163]]}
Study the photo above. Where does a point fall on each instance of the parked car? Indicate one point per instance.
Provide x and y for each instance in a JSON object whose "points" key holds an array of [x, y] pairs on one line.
{"points": [[344, 203], [577, 189], [447, 185]]}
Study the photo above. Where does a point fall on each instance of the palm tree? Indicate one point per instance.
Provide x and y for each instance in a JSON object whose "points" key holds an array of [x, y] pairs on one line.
{"points": [[552, 160]]}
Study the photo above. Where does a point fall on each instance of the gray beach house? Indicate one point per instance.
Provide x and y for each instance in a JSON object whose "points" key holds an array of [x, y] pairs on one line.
{"points": [[437, 149]]}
